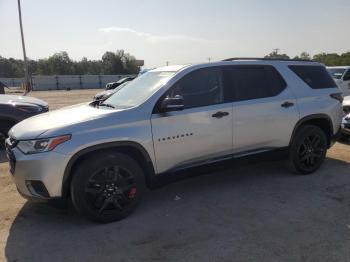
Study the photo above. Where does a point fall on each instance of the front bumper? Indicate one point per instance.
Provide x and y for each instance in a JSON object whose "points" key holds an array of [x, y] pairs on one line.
{"points": [[34, 174]]}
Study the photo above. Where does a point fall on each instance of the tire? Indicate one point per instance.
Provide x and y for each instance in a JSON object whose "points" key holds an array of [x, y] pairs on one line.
{"points": [[308, 150], [107, 187]]}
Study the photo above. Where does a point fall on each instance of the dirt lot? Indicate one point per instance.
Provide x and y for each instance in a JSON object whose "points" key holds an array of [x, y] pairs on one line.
{"points": [[247, 212]]}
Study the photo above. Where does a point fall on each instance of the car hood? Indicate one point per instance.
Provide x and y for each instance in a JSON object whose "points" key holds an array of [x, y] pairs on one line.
{"points": [[33, 127], [13, 99]]}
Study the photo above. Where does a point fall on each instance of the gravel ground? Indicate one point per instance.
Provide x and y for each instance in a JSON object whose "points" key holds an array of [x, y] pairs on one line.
{"points": [[249, 211]]}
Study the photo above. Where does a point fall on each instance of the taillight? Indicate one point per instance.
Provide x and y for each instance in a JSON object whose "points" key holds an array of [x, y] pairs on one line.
{"points": [[338, 96]]}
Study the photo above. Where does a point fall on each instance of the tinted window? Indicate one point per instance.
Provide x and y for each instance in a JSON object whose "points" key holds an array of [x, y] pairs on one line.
{"points": [[316, 77], [347, 76], [252, 82], [200, 88]]}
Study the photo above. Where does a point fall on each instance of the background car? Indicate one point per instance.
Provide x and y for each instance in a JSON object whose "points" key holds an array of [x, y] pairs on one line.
{"points": [[113, 85], [14, 109], [346, 105], [341, 75], [102, 96], [346, 120], [346, 126]]}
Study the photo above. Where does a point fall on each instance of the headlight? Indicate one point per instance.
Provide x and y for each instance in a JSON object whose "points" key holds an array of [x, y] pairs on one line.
{"points": [[41, 145]]}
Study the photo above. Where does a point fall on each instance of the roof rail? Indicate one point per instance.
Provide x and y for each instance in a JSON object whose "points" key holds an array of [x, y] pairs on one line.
{"points": [[268, 59]]}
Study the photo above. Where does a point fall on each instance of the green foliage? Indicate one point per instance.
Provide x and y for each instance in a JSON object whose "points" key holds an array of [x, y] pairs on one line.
{"points": [[304, 56], [330, 59], [61, 64], [333, 59], [275, 54]]}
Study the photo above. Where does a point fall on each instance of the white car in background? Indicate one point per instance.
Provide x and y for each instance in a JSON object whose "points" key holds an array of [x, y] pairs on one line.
{"points": [[341, 75], [346, 120], [346, 105]]}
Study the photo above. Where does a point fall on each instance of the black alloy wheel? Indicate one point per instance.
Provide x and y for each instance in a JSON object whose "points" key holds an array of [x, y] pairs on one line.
{"points": [[308, 149], [311, 151], [112, 188], [107, 187]]}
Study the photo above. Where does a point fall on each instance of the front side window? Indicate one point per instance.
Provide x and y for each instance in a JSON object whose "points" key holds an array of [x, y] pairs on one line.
{"points": [[202, 87], [138, 90]]}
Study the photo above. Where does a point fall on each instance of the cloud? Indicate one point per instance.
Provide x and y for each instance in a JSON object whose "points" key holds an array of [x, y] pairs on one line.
{"points": [[155, 38], [116, 29]]}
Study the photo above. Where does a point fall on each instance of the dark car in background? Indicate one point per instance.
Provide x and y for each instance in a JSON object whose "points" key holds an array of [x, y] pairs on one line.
{"points": [[14, 109], [102, 96], [113, 85]]}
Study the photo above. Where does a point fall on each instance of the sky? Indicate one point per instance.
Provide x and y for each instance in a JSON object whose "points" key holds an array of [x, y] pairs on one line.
{"points": [[180, 32]]}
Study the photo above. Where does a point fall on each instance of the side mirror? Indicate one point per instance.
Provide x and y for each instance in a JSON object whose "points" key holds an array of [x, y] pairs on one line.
{"points": [[172, 104]]}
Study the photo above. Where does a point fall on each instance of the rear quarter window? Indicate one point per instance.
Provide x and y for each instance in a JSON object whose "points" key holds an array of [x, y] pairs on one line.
{"points": [[316, 77]]}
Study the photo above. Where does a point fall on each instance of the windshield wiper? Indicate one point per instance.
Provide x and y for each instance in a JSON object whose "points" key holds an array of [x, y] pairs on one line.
{"points": [[107, 105]]}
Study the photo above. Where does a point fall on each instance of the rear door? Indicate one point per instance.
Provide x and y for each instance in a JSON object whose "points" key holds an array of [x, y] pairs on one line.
{"points": [[200, 133], [264, 108]]}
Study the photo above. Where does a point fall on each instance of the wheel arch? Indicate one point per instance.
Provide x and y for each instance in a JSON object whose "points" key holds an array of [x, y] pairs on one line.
{"points": [[322, 121], [132, 149]]}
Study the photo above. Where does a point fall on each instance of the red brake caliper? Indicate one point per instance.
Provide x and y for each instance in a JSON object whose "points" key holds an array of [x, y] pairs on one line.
{"points": [[132, 192]]}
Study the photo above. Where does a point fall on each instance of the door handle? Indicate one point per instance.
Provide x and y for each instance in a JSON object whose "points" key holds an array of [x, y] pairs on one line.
{"points": [[287, 104], [220, 114]]}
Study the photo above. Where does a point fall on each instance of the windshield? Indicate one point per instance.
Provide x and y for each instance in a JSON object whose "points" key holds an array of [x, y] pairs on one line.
{"points": [[138, 90], [336, 73]]}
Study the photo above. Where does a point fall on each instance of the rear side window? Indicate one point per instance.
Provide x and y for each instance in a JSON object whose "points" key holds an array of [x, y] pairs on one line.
{"points": [[316, 77], [252, 82]]}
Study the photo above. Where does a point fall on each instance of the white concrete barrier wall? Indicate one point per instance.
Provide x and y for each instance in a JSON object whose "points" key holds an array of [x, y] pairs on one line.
{"points": [[62, 82], [12, 82]]}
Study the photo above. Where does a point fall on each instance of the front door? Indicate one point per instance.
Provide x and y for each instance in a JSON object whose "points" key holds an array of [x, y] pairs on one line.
{"points": [[200, 133]]}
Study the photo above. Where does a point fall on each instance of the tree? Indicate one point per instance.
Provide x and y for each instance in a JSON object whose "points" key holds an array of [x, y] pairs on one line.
{"points": [[60, 64], [328, 59], [111, 63], [304, 56], [7, 68], [275, 54], [118, 62]]}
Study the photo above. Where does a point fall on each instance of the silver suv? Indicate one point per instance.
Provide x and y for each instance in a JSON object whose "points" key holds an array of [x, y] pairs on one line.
{"points": [[170, 119]]}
